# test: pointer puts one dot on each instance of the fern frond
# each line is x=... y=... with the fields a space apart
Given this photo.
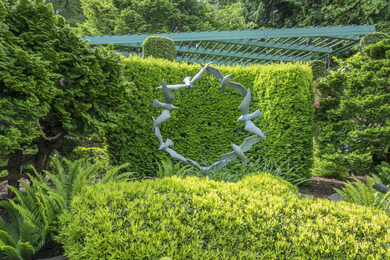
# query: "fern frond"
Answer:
x=108 y=176
x=123 y=176
x=59 y=185
x=28 y=216
x=15 y=220
x=7 y=239
x=28 y=233
x=25 y=249
x=10 y=252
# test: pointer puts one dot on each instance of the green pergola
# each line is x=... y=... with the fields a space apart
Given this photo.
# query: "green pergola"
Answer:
x=249 y=46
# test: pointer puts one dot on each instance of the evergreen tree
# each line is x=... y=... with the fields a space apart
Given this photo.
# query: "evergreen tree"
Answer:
x=52 y=84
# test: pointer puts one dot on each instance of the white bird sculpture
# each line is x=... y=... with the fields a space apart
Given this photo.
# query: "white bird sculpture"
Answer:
x=246 y=117
x=225 y=81
x=187 y=80
x=204 y=170
x=238 y=151
x=165 y=146
x=167 y=106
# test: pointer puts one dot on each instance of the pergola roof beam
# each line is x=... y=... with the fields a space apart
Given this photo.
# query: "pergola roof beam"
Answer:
x=237 y=35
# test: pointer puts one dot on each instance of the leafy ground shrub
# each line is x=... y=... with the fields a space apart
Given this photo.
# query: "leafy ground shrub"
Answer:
x=194 y=218
x=324 y=168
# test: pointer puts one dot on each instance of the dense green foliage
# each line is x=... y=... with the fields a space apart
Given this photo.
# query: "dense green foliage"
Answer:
x=134 y=16
x=286 y=98
x=159 y=47
x=195 y=218
x=290 y=13
x=71 y=10
x=354 y=110
x=205 y=123
x=34 y=214
x=318 y=67
x=373 y=38
x=51 y=84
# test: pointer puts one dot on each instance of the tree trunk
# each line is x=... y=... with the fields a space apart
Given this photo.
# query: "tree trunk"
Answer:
x=14 y=158
x=46 y=149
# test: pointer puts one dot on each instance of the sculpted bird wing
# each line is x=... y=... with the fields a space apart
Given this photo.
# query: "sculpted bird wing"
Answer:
x=215 y=72
x=213 y=165
x=176 y=155
x=174 y=87
x=187 y=79
x=248 y=142
x=194 y=163
x=165 y=115
x=199 y=75
x=244 y=107
x=225 y=159
x=250 y=126
x=168 y=96
x=157 y=132
x=237 y=87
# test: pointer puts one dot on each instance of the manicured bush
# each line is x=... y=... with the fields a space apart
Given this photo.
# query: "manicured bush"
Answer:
x=205 y=123
x=159 y=47
x=195 y=218
x=354 y=111
x=286 y=98
x=318 y=68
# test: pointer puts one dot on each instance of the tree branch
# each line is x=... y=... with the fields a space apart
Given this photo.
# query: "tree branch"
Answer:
x=26 y=161
x=14 y=177
x=44 y=136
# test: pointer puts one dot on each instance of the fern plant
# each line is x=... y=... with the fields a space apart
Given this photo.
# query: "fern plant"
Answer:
x=167 y=169
x=359 y=192
x=38 y=209
x=16 y=237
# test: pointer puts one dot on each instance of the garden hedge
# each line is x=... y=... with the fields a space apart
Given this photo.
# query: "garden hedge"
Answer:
x=206 y=122
x=159 y=47
x=192 y=218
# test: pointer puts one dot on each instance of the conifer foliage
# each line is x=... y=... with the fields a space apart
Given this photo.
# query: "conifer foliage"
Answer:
x=52 y=84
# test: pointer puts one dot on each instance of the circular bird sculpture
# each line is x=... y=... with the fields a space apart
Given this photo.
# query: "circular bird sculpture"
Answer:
x=246 y=117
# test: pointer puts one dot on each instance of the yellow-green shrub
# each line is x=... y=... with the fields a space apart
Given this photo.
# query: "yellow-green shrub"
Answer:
x=206 y=121
x=192 y=218
x=286 y=99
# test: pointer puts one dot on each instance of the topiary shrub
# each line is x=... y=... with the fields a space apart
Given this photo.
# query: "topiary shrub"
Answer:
x=318 y=67
x=159 y=47
x=195 y=218
x=286 y=98
x=206 y=123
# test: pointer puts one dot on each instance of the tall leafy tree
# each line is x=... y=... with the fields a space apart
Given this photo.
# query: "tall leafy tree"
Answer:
x=145 y=16
x=70 y=9
x=52 y=84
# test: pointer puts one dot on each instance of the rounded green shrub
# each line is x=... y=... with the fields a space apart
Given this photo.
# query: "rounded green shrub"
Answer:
x=372 y=38
x=318 y=68
x=194 y=218
x=159 y=47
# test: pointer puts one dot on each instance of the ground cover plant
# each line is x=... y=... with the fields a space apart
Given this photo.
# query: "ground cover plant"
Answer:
x=259 y=216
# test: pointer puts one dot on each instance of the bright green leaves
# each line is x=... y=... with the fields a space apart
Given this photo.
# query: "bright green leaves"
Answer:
x=159 y=47
x=195 y=218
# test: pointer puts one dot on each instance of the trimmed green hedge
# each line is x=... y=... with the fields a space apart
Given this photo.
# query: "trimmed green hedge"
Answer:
x=286 y=98
x=159 y=47
x=318 y=68
x=206 y=122
x=373 y=38
x=192 y=218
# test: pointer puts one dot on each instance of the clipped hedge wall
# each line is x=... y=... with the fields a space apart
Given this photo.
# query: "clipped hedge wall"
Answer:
x=318 y=67
x=206 y=122
x=191 y=218
x=159 y=47
x=286 y=99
